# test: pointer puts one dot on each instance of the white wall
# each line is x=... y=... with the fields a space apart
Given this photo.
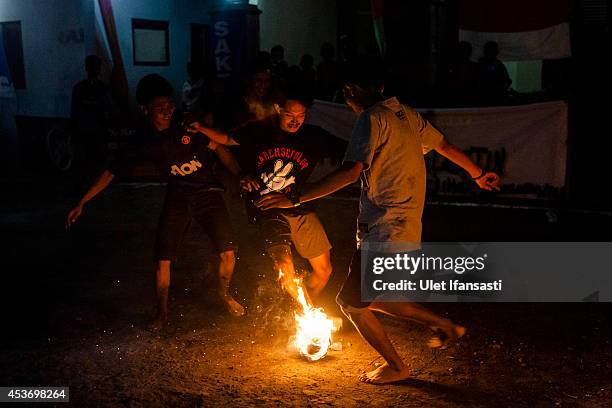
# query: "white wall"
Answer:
x=54 y=51
x=300 y=26
x=180 y=15
x=54 y=64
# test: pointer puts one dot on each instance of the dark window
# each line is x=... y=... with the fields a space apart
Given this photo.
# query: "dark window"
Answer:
x=11 y=40
x=150 y=42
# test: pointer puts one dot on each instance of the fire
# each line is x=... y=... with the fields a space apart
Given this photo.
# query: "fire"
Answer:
x=314 y=329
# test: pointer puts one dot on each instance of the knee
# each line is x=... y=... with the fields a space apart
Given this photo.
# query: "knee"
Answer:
x=280 y=254
x=348 y=310
x=227 y=258
x=324 y=271
x=163 y=265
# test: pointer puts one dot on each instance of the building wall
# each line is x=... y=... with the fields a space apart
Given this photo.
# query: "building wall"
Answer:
x=180 y=15
x=56 y=36
x=299 y=26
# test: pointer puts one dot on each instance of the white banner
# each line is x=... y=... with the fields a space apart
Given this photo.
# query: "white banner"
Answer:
x=547 y=43
x=526 y=144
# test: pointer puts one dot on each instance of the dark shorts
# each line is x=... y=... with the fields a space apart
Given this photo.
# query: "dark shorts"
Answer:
x=207 y=208
x=350 y=293
x=303 y=230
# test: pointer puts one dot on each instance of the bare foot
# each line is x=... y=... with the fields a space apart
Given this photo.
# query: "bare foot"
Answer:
x=444 y=335
x=159 y=323
x=235 y=308
x=385 y=375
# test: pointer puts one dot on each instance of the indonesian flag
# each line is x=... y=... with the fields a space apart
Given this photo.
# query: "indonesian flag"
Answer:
x=524 y=29
x=378 y=11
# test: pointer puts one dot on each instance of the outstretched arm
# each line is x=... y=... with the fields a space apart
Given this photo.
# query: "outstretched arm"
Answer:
x=229 y=161
x=100 y=184
x=226 y=157
x=214 y=134
x=485 y=180
x=346 y=174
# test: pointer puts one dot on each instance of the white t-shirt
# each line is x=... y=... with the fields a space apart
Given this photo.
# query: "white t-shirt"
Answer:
x=390 y=139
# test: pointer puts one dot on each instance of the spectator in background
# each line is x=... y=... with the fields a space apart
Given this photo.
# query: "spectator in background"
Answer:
x=235 y=110
x=327 y=73
x=309 y=75
x=90 y=113
x=279 y=67
x=347 y=57
x=263 y=59
x=193 y=87
x=492 y=79
x=304 y=74
x=461 y=76
x=254 y=103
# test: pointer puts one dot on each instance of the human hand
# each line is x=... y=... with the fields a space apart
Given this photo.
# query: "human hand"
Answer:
x=249 y=184
x=354 y=97
x=73 y=216
x=273 y=200
x=191 y=124
x=488 y=181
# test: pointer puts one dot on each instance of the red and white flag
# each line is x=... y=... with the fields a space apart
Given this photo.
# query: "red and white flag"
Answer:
x=524 y=29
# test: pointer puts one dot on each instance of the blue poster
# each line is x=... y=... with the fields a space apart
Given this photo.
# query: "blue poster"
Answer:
x=228 y=45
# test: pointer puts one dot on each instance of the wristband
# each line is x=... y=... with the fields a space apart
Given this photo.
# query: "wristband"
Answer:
x=482 y=173
x=294 y=197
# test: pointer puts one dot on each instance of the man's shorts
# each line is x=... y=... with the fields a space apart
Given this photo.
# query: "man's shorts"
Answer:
x=303 y=230
x=206 y=207
x=351 y=292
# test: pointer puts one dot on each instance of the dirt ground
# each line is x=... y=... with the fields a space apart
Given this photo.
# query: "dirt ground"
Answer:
x=75 y=306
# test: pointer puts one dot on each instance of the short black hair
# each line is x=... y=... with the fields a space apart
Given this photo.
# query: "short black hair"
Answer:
x=277 y=48
x=93 y=63
x=296 y=92
x=152 y=86
x=366 y=72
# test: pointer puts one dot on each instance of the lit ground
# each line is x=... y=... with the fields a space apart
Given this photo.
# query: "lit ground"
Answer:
x=75 y=305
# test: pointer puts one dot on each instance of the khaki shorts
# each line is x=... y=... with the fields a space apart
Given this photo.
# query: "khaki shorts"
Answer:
x=303 y=230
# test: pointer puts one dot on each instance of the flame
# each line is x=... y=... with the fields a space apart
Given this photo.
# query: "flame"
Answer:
x=314 y=329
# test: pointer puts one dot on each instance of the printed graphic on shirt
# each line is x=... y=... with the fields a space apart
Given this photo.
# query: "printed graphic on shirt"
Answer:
x=278 y=180
x=284 y=153
x=185 y=168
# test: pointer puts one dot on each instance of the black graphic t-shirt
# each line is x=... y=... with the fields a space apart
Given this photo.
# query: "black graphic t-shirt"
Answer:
x=177 y=157
x=282 y=161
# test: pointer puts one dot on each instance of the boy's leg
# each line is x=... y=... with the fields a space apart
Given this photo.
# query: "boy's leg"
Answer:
x=227 y=263
x=285 y=270
x=367 y=324
x=420 y=314
x=276 y=232
x=311 y=242
x=321 y=271
x=162 y=284
x=373 y=332
x=173 y=222
x=210 y=212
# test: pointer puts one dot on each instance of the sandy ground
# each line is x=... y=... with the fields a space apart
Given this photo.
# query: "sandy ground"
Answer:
x=76 y=304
